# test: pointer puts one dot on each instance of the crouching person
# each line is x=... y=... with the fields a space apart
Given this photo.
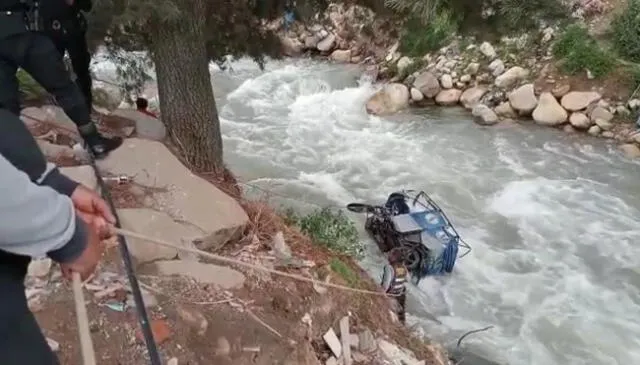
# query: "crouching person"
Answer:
x=394 y=280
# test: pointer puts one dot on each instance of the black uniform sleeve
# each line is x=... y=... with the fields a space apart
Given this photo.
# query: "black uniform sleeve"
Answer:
x=19 y=147
x=84 y=5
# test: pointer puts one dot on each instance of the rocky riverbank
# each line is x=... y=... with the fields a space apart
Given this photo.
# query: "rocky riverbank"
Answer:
x=515 y=79
x=201 y=311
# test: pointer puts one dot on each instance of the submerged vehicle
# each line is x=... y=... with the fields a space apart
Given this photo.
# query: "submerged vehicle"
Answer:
x=413 y=223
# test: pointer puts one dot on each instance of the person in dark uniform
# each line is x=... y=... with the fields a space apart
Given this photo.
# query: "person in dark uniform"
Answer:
x=42 y=213
x=394 y=281
x=24 y=45
x=67 y=28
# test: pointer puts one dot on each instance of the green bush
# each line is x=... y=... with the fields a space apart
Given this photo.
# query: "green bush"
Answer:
x=330 y=229
x=579 y=51
x=626 y=32
x=29 y=88
x=524 y=14
x=419 y=39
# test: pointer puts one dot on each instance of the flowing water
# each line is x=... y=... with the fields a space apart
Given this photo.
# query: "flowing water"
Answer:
x=553 y=219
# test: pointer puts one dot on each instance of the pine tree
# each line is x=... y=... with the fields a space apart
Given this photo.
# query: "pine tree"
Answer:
x=182 y=37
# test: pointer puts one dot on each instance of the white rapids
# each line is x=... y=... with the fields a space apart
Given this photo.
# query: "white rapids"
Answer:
x=553 y=219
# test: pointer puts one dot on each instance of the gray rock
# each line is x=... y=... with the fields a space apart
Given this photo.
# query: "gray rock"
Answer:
x=155 y=224
x=341 y=56
x=428 y=84
x=327 y=43
x=82 y=174
x=147 y=127
x=484 y=115
x=184 y=196
x=221 y=276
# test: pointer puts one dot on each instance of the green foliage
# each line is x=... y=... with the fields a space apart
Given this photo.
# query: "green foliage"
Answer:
x=344 y=271
x=330 y=229
x=579 y=51
x=29 y=88
x=419 y=39
x=520 y=14
x=423 y=10
x=626 y=31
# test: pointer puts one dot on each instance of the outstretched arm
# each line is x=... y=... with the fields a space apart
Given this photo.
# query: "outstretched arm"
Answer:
x=36 y=220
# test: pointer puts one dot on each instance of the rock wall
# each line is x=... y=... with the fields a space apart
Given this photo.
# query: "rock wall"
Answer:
x=497 y=83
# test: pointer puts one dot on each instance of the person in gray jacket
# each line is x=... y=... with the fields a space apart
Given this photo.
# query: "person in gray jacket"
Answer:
x=42 y=213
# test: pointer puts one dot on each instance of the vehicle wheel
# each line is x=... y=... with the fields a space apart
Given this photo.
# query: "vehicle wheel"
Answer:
x=412 y=260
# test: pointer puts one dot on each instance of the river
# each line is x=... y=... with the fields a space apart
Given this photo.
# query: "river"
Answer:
x=552 y=217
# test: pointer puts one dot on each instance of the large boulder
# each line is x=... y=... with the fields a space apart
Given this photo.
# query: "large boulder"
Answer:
x=106 y=96
x=448 y=97
x=446 y=81
x=523 y=99
x=511 y=77
x=403 y=64
x=601 y=114
x=472 y=96
x=147 y=126
x=579 y=120
x=578 y=100
x=549 y=111
x=180 y=193
x=291 y=47
x=156 y=224
x=428 y=84
x=327 y=43
x=390 y=99
x=341 y=55
x=504 y=110
x=630 y=150
x=488 y=51
x=483 y=115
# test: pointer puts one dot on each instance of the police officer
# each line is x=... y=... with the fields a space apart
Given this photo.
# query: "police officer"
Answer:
x=24 y=45
x=67 y=28
x=394 y=281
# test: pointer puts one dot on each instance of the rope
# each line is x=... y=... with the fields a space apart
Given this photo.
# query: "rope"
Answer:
x=86 y=344
x=228 y=260
x=141 y=309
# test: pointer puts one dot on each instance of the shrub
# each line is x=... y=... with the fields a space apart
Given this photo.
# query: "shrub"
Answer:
x=579 y=51
x=330 y=229
x=344 y=271
x=519 y=14
x=626 y=32
x=419 y=39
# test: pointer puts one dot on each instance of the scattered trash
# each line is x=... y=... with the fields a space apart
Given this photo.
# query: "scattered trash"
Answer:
x=172 y=361
x=54 y=345
x=159 y=328
x=345 y=338
x=333 y=342
x=117 y=306
x=193 y=318
x=251 y=349
x=223 y=347
x=280 y=246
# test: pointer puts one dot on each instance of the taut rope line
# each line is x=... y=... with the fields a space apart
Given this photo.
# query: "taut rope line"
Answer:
x=229 y=260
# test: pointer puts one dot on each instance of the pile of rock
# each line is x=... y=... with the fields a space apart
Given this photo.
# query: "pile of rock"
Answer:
x=343 y=33
x=363 y=347
x=495 y=90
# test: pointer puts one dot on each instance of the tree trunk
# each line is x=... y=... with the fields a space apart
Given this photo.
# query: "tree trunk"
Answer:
x=184 y=86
